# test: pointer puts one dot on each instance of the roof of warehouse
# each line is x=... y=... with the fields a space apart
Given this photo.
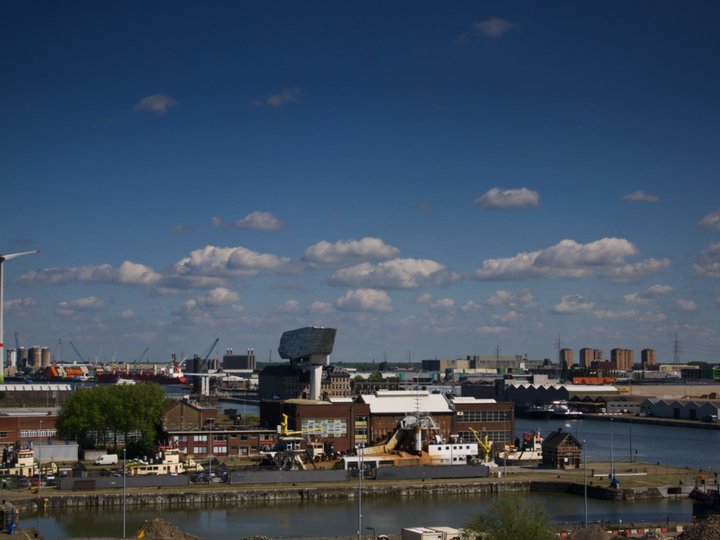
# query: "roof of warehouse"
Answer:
x=29 y=411
x=405 y=401
x=569 y=387
x=470 y=399
x=35 y=387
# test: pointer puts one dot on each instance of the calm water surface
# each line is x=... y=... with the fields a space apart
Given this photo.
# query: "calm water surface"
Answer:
x=295 y=519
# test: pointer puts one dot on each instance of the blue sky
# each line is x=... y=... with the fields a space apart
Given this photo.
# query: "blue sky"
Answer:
x=432 y=179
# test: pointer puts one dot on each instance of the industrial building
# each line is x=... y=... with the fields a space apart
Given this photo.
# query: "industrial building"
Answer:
x=566 y=357
x=648 y=359
x=232 y=361
x=27 y=426
x=373 y=418
x=622 y=359
x=685 y=409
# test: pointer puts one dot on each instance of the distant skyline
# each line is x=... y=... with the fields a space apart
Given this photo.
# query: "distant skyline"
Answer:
x=434 y=180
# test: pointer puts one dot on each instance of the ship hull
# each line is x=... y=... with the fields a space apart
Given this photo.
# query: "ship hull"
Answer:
x=112 y=378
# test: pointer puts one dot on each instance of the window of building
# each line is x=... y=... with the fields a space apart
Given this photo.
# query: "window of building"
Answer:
x=200 y=438
x=326 y=427
x=199 y=450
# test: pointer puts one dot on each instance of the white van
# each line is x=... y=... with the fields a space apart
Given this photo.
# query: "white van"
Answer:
x=107 y=459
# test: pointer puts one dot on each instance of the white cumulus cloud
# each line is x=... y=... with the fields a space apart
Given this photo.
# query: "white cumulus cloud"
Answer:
x=513 y=299
x=393 y=274
x=283 y=97
x=320 y=307
x=492 y=27
x=708 y=262
x=651 y=293
x=344 y=251
x=685 y=304
x=640 y=196
x=711 y=221
x=508 y=198
x=607 y=314
x=571 y=259
x=572 y=303
x=444 y=304
x=228 y=261
x=18 y=305
x=220 y=296
x=156 y=104
x=88 y=303
x=365 y=300
x=492 y=330
x=259 y=220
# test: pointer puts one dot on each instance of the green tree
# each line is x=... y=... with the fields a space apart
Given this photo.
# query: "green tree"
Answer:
x=93 y=413
x=510 y=518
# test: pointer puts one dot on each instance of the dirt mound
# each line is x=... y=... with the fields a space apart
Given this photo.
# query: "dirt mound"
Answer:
x=160 y=529
x=707 y=529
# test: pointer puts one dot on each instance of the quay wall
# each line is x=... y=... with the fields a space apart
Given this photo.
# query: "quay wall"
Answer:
x=263 y=494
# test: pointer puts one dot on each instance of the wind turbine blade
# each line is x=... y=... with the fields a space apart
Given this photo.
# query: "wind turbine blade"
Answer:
x=14 y=255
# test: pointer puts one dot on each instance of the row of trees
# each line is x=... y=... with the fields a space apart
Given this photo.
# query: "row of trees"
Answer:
x=102 y=413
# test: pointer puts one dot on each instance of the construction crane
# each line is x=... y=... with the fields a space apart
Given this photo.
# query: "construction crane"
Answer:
x=77 y=352
x=212 y=348
x=484 y=444
x=57 y=353
x=140 y=358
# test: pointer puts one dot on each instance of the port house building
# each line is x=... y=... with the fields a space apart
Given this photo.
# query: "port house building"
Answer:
x=373 y=418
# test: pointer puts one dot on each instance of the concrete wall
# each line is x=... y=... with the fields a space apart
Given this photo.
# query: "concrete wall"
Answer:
x=287 y=477
x=438 y=471
x=105 y=482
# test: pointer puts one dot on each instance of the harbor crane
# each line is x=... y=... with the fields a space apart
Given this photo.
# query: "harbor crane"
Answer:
x=57 y=353
x=140 y=358
x=74 y=348
x=212 y=348
x=484 y=444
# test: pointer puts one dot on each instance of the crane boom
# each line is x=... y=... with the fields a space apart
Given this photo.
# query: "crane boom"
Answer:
x=212 y=348
x=142 y=356
x=77 y=352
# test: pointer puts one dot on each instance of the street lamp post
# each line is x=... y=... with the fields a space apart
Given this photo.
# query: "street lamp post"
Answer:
x=612 y=457
x=124 y=489
x=361 y=473
x=210 y=442
x=40 y=470
x=505 y=441
x=585 y=481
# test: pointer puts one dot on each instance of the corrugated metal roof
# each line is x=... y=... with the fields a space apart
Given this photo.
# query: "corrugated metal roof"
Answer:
x=405 y=402
x=35 y=387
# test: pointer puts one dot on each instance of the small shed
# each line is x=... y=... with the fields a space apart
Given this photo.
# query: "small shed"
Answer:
x=561 y=450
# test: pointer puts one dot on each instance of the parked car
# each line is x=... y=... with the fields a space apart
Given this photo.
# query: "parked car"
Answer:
x=23 y=482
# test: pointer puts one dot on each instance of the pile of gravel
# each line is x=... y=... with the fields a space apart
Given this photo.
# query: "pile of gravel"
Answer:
x=707 y=529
